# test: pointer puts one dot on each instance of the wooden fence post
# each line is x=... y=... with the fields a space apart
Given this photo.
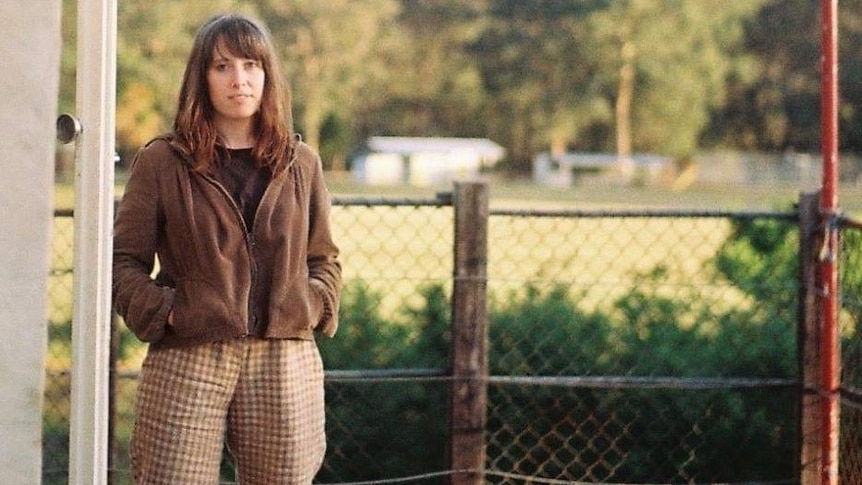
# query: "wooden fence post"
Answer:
x=469 y=359
x=809 y=340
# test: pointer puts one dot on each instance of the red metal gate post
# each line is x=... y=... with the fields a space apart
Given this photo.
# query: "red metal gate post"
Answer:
x=828 y=274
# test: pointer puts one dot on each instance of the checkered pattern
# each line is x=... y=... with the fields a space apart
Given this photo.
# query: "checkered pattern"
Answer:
x=263 y=397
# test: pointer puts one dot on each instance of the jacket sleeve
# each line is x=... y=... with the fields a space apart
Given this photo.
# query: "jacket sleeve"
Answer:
x=143 y=304
x=323 y=264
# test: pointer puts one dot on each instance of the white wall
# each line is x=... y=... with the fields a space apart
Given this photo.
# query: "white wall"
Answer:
x=30 y=50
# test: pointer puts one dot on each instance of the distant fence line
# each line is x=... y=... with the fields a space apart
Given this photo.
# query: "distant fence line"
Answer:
x=798 y=169
x=555 y=359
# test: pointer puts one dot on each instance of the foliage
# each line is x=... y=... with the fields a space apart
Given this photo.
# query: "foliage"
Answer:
x=668 y=433
x=614 y=434
x=661 y=335
x=759 y=253
x=361 y=329
x=535 y=332
x=850 y=74
x=335 y=54
x=851 y=306
x=372 y=427
x=434 y=85
x=532 y=75
x=681 y=53
x=536 y=66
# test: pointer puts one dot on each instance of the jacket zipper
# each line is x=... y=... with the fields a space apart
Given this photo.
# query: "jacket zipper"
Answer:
x=251 y=319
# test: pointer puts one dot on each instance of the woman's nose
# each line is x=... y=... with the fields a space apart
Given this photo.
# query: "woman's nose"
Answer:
x=239 y=78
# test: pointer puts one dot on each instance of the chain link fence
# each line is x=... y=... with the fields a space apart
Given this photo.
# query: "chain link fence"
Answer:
x=850 y=278
x=58 y=363
x=632 y=347
x=623 y=347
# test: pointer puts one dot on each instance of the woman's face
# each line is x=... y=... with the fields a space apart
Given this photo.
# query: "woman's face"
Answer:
x=235 y=86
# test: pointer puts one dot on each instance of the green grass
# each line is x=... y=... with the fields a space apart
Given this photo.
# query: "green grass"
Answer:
x=416 y=247
x=506 y=192
x=517 y=193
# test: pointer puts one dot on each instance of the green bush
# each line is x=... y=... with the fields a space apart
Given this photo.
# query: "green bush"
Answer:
x=384 y=428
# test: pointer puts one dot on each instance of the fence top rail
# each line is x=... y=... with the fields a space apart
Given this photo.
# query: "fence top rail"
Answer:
x=444 y=199
x=646 y=213
x=384 y=374
x=849 y=222
x=633 y=382
x=592 y=382
x=441 y=199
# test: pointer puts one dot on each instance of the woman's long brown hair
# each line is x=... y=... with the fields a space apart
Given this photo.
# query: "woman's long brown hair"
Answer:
x=194 y=130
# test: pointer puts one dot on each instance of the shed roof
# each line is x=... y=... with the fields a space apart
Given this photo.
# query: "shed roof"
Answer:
x=409 y=145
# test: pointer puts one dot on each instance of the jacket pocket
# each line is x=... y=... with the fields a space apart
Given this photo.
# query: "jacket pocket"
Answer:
x=299 y=307
x=316 y=304
x=200 y=309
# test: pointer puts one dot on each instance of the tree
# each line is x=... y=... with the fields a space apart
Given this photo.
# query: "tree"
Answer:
x=566 y=74
x=668 y=62
x=850 y=57
x=597 y=75
x=778 y=107
x=335 y=54
x=534 y=58
x=438 y=87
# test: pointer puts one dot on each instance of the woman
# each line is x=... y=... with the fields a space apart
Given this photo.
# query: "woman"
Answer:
x=235 y=208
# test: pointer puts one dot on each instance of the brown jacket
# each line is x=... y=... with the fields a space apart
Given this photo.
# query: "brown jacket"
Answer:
x=210 y=266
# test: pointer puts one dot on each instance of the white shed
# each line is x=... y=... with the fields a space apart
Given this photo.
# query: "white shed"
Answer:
x=423 y=161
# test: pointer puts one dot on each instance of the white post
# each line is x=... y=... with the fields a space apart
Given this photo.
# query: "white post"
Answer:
x=94 y=213
x=30 y=49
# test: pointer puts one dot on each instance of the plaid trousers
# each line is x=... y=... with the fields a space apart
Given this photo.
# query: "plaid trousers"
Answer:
x=263 y=398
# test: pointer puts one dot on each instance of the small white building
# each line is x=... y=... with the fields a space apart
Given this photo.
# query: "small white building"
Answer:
x=564 y=170
x=388 y=160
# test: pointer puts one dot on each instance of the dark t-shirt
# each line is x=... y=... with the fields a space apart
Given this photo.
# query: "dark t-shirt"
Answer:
x=244 y=180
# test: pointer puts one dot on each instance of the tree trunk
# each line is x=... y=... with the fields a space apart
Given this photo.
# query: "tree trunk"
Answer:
x=625 y=95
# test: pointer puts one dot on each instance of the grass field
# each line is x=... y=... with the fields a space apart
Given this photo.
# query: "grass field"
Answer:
x=521 y=193
x=397 y=249
x=401 y=248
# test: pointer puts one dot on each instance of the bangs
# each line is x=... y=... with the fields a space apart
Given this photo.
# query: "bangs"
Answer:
x=241 y=38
